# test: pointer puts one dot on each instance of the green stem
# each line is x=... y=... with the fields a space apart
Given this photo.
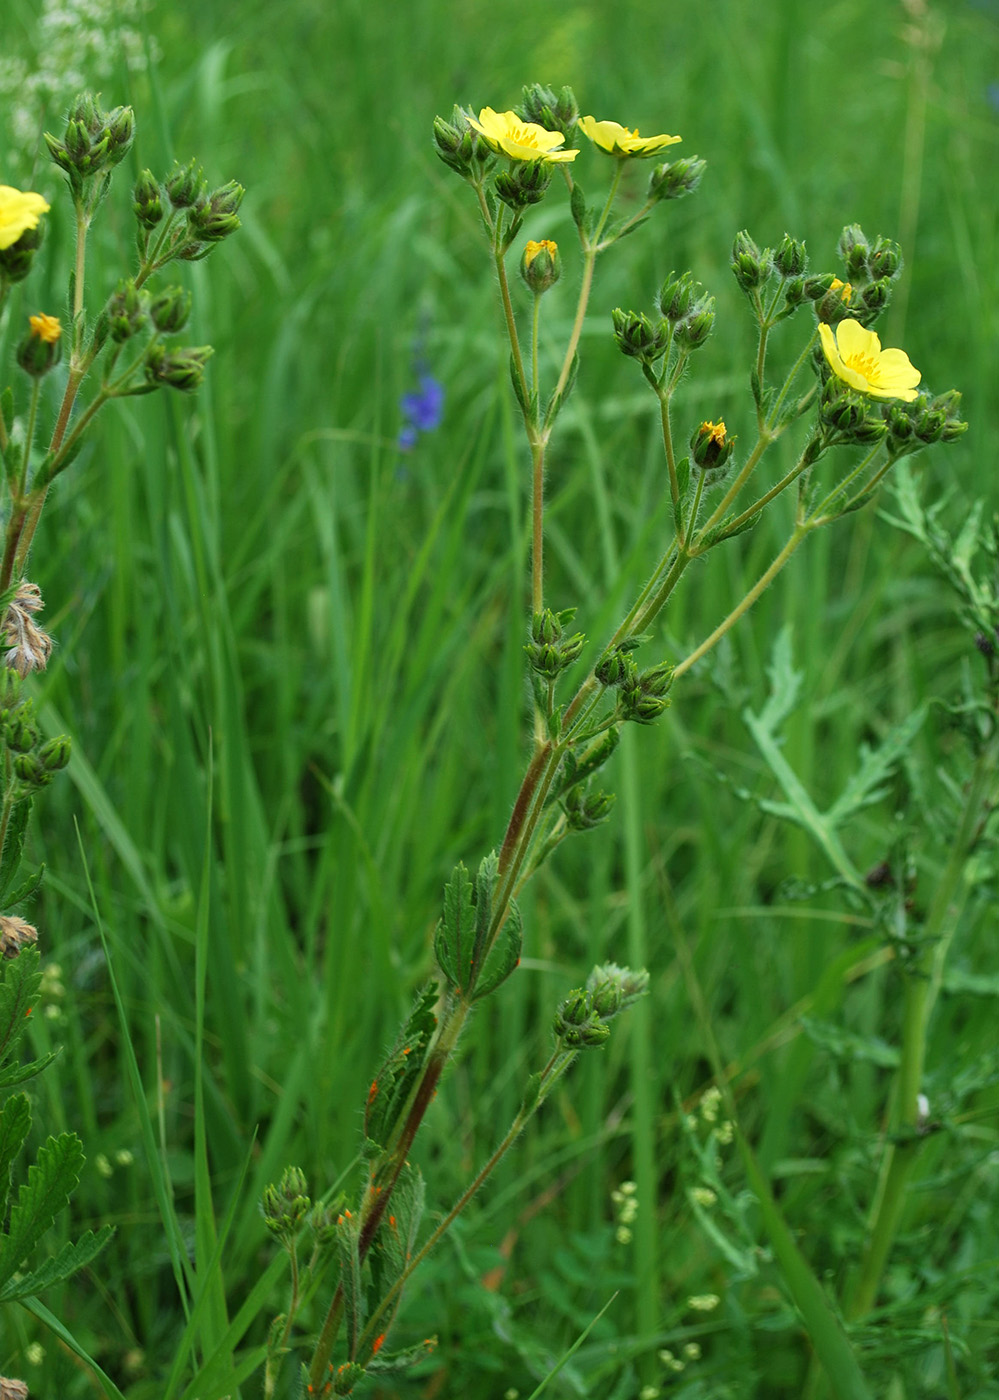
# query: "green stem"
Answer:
x=762 y=583
x=921 y=982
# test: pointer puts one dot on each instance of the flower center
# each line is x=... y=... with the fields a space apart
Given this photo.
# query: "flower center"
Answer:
x=524 y=136
x=865 y=365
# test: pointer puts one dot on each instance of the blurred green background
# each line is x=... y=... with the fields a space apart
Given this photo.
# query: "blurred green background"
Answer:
x=256 y=593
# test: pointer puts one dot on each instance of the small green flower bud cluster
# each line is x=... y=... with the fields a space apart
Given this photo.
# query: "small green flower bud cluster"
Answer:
x=578 y=1025
x=177 y=369
x=94 y=141
x=458 y=146
x=639 y=337
x=617 y=666
x=555 y=111
x=644 y=696
x=849 y=416
x=126 y=311
x=871 y=271
x=550 y=651
x=34 y=761
x=676 y=178
x=751 y=265
x=926 y=420
x=583 y=1019
x=584 y=811
x=525 y=184
x=286 y=1205
x=211 y=215
x=690 y=312
x=147 y=200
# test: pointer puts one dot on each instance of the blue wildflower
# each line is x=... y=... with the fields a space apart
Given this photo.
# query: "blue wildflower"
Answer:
x=423 y=411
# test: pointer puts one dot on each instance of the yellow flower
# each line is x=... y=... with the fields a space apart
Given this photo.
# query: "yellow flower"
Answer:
x=45 y=328
x=19 y=211
x=506 y=134
x=845 y=290
x=618 y=140
x=856 y=357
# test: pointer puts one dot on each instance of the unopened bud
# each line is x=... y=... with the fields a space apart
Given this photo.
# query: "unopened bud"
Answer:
x=789 y=257
x=750 y=265
x=676 y=178
x=170 y=310
x=541 y=265
x=638 y=337
x=711 y=446
x=55 y=753
x=147 y=200
x=126 y=311
x=854 y=249
x=213 y=217
x=41 y=348
x=184 y=185
x=178 y=369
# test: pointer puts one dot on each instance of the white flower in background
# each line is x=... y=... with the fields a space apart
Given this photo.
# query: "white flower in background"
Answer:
x=76 y=44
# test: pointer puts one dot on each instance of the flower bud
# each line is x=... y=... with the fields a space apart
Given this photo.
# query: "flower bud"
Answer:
x=711 y=446
x=347 y=1376
x=30 y=772
x=835 y=305
x=693 y=330
x=632 y=985
x=575 y=1010
x=55 y=753
x=677 y=295
x=17 y=259
x=541 y=265
x=790 y=259
x=794 y=293
x=555 y=111
x=646 y=698
x=41 y=348
x=126 y=311
x=616 y=668
x=637 y=336
x=169 y=310
x=147 y=200
x=885 y=259
x=873 y=299
x=119 y=126
x=584 y=813
x=286 y=1205
x=608 y=998
x=816 y=287
x=526 y=183
x=676 y=178
x=854 y=249
x=178 y=369
x=213 y=217
x=841 y=407
x=750 y=265
x=184 y=185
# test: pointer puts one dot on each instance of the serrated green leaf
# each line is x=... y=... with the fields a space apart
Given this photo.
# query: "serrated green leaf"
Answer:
x=20 y=1074
x=503 y=956
x=51 y=1181
x=73 y=1256
x=25 y=889
x=390 y=1088
x=15 y=1120
x=19 y=981
x=454 y=939
x=10 y=858
x=845 y=1045
x=347 y=1243
x=485 y=881
x=785 y=683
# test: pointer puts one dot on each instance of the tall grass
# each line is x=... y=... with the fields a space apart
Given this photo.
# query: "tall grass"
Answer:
x=290 y=659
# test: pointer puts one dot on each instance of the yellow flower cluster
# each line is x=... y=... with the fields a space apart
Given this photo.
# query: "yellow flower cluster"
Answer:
x=19 y=211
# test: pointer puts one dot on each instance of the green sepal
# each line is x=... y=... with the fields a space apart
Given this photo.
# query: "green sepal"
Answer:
x=454 y=938
x=19 y=981
x=73 y=1256
x=504 y=955
x=51 y=1181
x=391 y=1087
x=10 y=858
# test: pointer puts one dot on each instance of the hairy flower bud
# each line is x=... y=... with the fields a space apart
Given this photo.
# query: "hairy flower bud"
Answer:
x=41 y=348
x=638 y=337
x=126 y=311
x=555 y=111
x=213 y=217
x=676 y=178
x=694 y=329
x=711 y=446
x=184 y=185
x=541 y=265
x=147 y=200
x=751 y=265
x=178 y=369
x=170 y=309
x=677 y=295
x=789 y=257
x=855 y=250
